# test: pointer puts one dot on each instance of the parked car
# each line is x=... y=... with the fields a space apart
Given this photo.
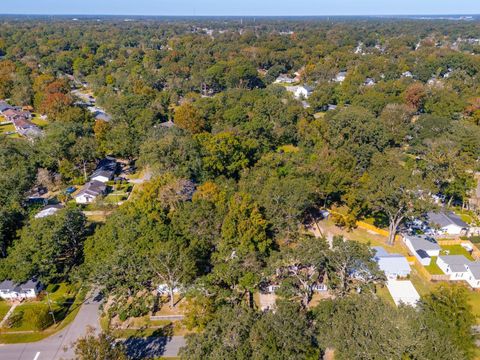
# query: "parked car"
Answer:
x=70 y=190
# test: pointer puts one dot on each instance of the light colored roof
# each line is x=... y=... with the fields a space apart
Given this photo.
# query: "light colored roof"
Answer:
x=421 y=243
x=394 y=265
x=455 y=262
x=445 y=219
x=474 y=268
x=403 y=292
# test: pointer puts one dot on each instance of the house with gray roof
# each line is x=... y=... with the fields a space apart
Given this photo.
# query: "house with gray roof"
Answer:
x=90 y=192
x=10 y=290
x=105 y=170
x=458 y=267
x=393 y=265
x=447 y=223
x=423 y=248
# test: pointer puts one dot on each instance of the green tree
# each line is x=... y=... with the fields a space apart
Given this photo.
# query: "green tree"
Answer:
x=99 y=347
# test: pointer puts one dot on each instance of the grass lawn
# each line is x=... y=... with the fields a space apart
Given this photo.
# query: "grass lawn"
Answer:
x=4 y=307
x=433 y=267
x=114 y=199
x=41 y=123
x=66 y=315
x=384 y=294
x=474 y=297
x=456 y=250
x=7 y=128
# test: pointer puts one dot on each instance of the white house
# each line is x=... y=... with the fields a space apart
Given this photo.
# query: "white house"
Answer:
x=12 y=291
x=473 y=274
x=284 y=79
x=369 y=82
x=105 y=170
x=447 y=223
x=422 y=248
x=407 y=74
x=303 y=92
x=393 y=265
x=90 y=192
x=453 y=265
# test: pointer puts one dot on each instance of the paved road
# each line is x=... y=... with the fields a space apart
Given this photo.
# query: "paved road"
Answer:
x=59 y=346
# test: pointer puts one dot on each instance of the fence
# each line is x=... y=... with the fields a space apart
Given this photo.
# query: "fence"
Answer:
x=376 y=230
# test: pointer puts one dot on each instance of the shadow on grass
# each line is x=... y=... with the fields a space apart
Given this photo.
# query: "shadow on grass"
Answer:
x=149 y=347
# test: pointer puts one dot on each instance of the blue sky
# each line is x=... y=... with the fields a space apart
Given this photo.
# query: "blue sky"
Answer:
x=242 y=7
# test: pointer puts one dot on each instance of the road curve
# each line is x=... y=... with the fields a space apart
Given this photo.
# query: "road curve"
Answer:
x=59 y=345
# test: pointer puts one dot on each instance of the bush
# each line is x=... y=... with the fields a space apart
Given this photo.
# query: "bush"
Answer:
x=39 y=316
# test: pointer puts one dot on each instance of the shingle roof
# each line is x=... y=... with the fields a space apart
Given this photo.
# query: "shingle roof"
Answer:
x=421 y=243
x=445 y=218
x=456 y=262
x=475 y=269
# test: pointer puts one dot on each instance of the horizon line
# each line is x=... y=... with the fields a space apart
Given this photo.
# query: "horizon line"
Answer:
x=238 y=15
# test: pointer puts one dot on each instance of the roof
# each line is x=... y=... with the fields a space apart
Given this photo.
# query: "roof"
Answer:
x=4 y=106
x=379 y=251
x=474 y=268
x=48 y=210
x=455 y=262
x=7 y=285
x=391 y=263
x=106 y=168
x=422 y=243
x=306 y=87
x=10 y=285
x=444 y=219
x=92 y=188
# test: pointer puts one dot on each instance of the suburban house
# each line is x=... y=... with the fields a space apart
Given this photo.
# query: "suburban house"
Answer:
x=447 y=223
x=4 y=106
x=105 y=170
x=473 y=274
x=12 y=291
x=48 y=211
x=407 y=74
x=284 y=79
x=422 y=248
x=300 y=92
x=458 y=267
x=26 y=128
x=394 y=265
x=90 y=192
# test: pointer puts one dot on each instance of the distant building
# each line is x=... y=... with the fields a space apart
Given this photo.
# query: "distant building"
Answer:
x=300 y=92
x=407 y=74
x=447 y=223
x=422 y=248
x=284 y=79
x=369 y=82
x=90 y=192
x=12 y=291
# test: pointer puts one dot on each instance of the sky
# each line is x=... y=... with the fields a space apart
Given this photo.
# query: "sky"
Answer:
x=240 y=7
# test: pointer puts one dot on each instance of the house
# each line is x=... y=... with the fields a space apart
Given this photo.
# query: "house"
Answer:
x=393 y=265
x=105 y=170
x=340 y=77
x=473 y=274
x=447 y=223
x=423 y=248
x=403 y=292
x=303 y=92
x=12 y=291
x=26 y=128
x=453 y=265
x=284 y=79
x=458 y=267
x=48 y=211
x=90 y=192
x=369 y=82
x=407 y=74
x=4 y=106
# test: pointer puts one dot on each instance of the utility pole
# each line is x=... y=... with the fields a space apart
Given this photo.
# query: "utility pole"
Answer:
x=50 y=307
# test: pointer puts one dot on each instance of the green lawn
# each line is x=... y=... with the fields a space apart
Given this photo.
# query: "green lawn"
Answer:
x=64 y=315
x=433 y=267
x=456 y=250
x=41 y=123
x=4 y=307
x=7 y=128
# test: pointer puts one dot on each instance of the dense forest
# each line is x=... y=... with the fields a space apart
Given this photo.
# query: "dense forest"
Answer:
x=239 y=167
